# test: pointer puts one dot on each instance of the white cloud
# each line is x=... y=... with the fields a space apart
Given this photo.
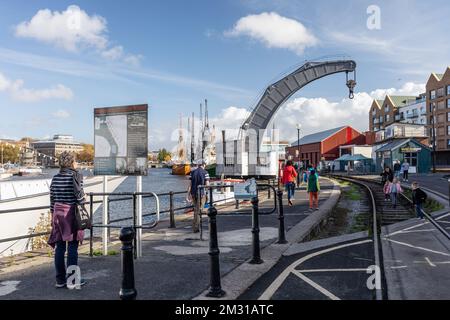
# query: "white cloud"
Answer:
x=61 y=114
x=17 y=91
x=408 y=89
x=274 y=31
x=73 y=30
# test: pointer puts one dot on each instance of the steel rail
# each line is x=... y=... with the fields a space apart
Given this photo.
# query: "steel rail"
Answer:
x=375 y=234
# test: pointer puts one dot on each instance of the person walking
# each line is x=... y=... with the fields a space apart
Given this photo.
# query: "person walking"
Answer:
x=386 y=191
x=397 y=168
x=313 y=189
x=199 y=177
x=405 y=169
x=289 y=177
x=66 y=193
x=386 y=175
x=418 y=197
x=394 y=189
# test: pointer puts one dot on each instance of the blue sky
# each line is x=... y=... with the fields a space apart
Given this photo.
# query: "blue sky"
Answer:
x=174 y=54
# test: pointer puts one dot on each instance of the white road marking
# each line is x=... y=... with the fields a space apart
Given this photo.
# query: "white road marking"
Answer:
x=413 y=231
x=275 y=285
x=185 y=251
x=399 y=267
x=429 y=262
x=416 y=247
x=333 y=270
x=315 y=285
x=8 y=287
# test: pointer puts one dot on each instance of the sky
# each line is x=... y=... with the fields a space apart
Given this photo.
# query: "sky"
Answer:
x=61 y=59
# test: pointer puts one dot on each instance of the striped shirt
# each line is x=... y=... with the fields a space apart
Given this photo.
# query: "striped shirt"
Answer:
x=66 y=187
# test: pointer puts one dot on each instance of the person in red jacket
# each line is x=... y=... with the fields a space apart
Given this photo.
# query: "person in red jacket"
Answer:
x=289 y=177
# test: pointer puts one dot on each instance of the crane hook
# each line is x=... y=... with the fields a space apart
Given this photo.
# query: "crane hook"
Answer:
x=351 y=84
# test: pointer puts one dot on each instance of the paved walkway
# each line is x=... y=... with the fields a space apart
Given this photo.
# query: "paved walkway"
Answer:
x=417 y=260
x=175 y=263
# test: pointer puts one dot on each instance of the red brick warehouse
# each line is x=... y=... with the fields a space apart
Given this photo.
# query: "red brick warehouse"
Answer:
x=324 y=145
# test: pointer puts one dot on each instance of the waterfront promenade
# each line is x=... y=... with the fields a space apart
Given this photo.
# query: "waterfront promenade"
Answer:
x=175 y=262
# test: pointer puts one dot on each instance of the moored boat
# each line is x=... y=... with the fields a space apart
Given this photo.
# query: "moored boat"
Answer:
x=181 y=169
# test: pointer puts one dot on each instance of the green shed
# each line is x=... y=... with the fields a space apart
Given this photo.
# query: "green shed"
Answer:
x=418 y=155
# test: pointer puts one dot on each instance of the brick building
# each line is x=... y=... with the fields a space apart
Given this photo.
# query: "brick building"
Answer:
x=323 y=145
x=438 y=102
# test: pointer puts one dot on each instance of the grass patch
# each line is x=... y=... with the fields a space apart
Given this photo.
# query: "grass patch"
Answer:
x=352 y=192
x=430 y=205
x=98 y=253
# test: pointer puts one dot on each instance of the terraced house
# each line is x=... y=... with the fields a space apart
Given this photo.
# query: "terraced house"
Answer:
x=438 y=115
x=404 y=109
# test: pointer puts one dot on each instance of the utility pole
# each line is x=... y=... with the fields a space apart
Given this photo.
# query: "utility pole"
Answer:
x=433 y=116
x=192 y=139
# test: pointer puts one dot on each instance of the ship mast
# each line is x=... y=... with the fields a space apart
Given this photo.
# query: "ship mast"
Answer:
x=192 y=138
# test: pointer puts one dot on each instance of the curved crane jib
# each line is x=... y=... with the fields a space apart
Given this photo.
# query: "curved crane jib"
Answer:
x=277 y=93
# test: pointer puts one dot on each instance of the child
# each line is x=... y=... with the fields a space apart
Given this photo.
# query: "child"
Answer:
x=313 y=189
x=385 y=190
x=418 y=197
x=394 y=189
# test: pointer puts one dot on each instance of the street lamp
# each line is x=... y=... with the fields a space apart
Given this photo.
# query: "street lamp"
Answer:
x=299 y=127
x=433 y=117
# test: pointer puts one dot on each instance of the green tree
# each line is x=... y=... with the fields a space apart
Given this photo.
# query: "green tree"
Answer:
x=9 y=153
x=87 y=155
x=164 y=155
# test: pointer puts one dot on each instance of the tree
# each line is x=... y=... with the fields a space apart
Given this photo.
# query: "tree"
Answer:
x=87 y=155
x=164 y=155
x=9 y=153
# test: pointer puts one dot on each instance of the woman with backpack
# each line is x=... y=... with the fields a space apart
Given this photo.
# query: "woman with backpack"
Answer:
x=289 y=178
x=66 y=193
x=313 y=189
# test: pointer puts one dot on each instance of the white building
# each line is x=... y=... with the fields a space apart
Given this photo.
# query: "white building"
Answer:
x=414 y=112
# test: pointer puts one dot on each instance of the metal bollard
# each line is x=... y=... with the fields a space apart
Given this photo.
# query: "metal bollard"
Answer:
x=255 y=231
x=127 y=291
x=281 y=230
x=237 y=204
x=215 y=289
x=268 y=192
x=91 y=229
x=171 y=211
x=449 y=192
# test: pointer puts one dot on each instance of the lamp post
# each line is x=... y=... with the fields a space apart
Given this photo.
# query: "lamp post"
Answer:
x=433 y=116
x=299 y=127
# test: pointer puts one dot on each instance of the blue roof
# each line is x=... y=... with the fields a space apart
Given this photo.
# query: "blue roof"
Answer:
x=317 y=137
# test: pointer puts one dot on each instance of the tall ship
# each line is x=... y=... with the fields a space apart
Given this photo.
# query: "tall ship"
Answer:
x=181 y=167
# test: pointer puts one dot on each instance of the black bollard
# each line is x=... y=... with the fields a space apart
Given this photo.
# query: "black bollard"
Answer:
x=171 y=211
x=255 y=231
x=215 y=289
x=281 y=230
x=128 y=291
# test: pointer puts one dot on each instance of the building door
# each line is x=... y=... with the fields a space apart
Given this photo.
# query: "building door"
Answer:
x=411 y=157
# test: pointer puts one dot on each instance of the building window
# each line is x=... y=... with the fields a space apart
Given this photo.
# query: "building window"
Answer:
x=386 y=109
x=448 y=103
x=448 y=130
x=411 y=157
x=440 y=92
x=432 y=106
x=433 y=94
x=441 y=105
x=387 y=118
x=448 y=116
x=448 y=90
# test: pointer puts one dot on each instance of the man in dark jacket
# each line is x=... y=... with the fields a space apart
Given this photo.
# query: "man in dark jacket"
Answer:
x=418 y=197
x=397 y=168
x=386 y=175
x=199 y=177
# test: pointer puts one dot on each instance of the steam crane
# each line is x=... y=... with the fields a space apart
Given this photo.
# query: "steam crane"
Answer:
x=248 y=160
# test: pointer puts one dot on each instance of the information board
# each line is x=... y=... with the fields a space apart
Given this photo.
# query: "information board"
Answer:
x=245 y=190
x=121 y=140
